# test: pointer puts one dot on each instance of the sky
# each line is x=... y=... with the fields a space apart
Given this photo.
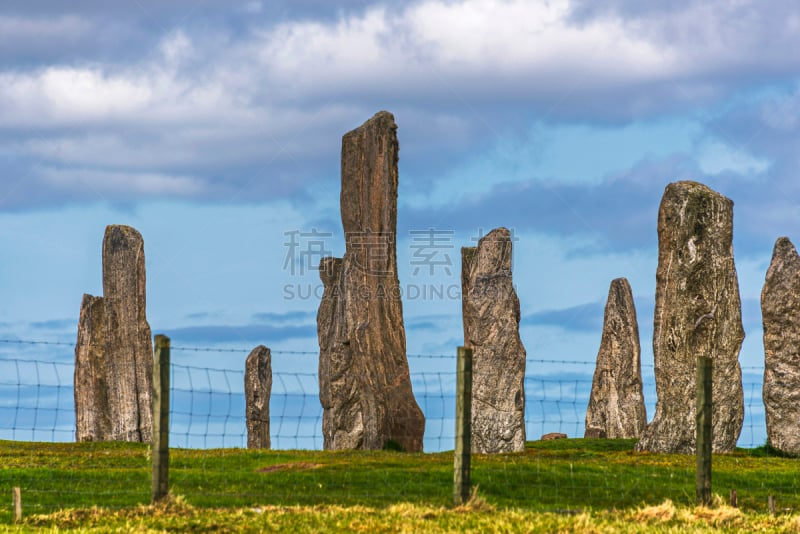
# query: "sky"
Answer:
x=215 y=130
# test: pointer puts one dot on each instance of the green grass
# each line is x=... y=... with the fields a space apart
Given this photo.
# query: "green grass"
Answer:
x=559 y=479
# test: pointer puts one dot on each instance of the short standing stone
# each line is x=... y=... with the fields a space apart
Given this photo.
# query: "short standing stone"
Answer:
x=365 y=385
x=697 y=313
x=491 y=329
x=257 y=391
x=780 y=310
x=91 y=390
x=339 y=390
x=616 y=404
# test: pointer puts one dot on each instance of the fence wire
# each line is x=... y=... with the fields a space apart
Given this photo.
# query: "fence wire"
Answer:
x=208 y=433
x=208 y=406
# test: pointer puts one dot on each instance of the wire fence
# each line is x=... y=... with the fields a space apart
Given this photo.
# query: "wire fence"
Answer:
x=208 y=404
x=208 y=426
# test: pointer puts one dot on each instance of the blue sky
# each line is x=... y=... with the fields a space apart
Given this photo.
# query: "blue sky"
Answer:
x=215 y=129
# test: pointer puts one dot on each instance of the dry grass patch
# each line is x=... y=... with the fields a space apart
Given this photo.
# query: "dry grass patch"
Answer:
x=475 y=503
x=661 y=513
x=717 y=515
x=295 y=466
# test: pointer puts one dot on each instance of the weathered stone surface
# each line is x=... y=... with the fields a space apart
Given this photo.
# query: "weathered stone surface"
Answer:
x=553 y=435
x=114 y=340
x=340 y=390
x=365 y=387
x=491 y=329
x=616 y=404
x=92 y=420
x=780 y=310
x=129 y=344
x=697 y=313
x=257 y=391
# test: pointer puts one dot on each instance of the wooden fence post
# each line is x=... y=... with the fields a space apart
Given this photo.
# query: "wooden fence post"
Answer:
x=461 y=470
x=160 y=449
x=17 y=505
x=704 y=435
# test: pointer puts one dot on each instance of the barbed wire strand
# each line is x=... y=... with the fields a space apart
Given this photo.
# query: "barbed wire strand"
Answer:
x=430 y=356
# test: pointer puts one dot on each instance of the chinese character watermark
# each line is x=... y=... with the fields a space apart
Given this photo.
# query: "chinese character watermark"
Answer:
x=304 y=250
x=373 y=253
x=430 y=250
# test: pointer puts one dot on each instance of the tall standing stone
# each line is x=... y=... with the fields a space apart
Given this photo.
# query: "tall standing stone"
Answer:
x=697 y=313
x=365 y=386
x=616 y=404
x=114 y=351
x=257 y=391
x=92 y=414
x=491 y=329
x=129 y=344
x=780 y=309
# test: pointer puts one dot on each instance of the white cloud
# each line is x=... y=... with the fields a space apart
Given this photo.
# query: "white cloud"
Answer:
x=59 y=95
x=508 y=47
x=351 y=50
x=527 y=42
x=208 y=144
x=255 y=7
x=509 y=35
x=121 y=183
x=44 y=28
x=715 y=157
x=285 y=92
x=456 y=53
x=176 y=47
x=81 y=92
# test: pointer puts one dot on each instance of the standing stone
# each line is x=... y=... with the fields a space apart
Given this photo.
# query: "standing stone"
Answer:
x=91 y=389
x=365 y=386
x=616 y=404
x=114 y=351
x=129 y=344
x=780 y=309
x=340 y=375
x=491 y=329
x=697 y=313
x=257 y=391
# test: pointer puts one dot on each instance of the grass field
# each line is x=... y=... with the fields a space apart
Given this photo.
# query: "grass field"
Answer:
x=573 y=484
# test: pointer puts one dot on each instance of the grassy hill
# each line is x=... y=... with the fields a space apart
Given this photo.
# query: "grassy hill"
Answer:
x=600 y=484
